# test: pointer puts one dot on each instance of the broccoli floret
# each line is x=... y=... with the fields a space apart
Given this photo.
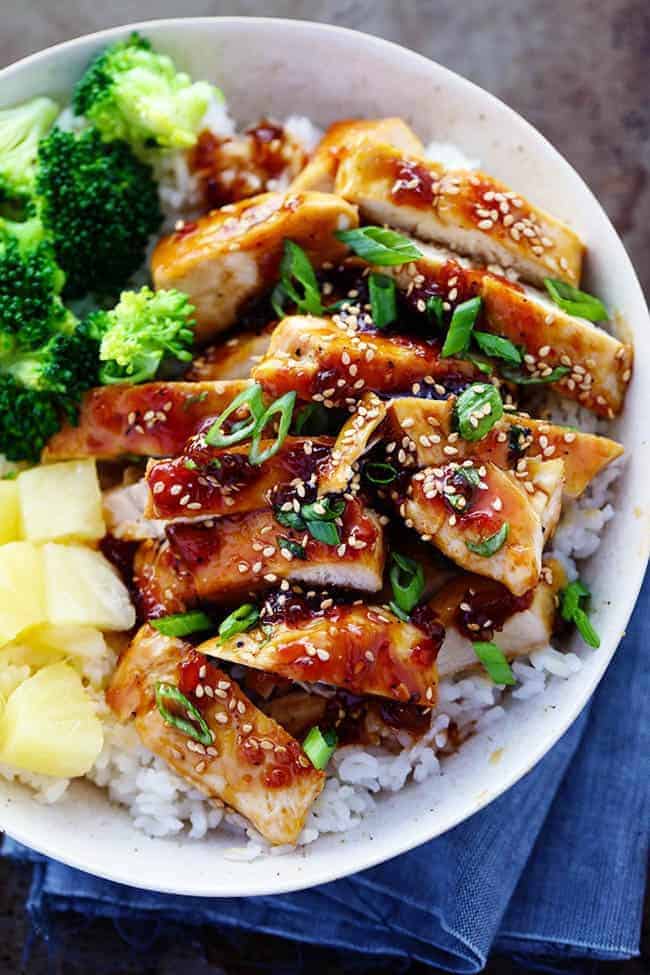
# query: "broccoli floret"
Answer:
x=30 y=283
x=21 y=129
x=130 y=92
x=100 y=205
x=28 y=418
x=144 y=331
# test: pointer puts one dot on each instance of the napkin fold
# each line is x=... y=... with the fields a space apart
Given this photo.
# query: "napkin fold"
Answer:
x=550 y=872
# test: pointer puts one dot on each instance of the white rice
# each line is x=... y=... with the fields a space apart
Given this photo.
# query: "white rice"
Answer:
x=162 y=804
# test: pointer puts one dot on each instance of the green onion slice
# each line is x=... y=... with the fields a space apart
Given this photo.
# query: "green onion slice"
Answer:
x=378 y=245
x=290 y=519
x=324 y=531
x=573 y=601
x=298 y=281
x=476 y=411
x=312 y=419
x=325 y=509
x=498 y=347
x=189 y=720
x=383 y=299
x=494 y=661
x=319 y=746
x=240 y=620
x=379 y=473
x=250 y=397
x=436 y=310
x=407 y=580
x=525 y=379
x=182 y=624
x=492 y=544
x=576 y=302
x=460 y=327
x=296 y=549
x=284 y=406
x=399 y=613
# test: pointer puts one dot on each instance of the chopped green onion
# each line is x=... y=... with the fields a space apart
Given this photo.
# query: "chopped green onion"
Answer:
x=492 y=544
x=378 y=245
x=476 y=411
x=576 y=302
x=460 y=327
x=239 y=621
x=250 y=397
x=215 y=462
x=484 y=367
x=436 y=310
x=383 y=299
x=407 y=580
x=290 y=519
x=379 y=473
x=296 y=267
x=399 y=613
x=494 y=661
x=189 y=464
x=278 y=298
x=311 y=420
x=469 y=474
x=289 y=545
x=525 y=379
x=319 y=746
x=190 y=722
x=519 y=439
x=498 y=347
x=325 y=509
x=324 y=531
x=284 y=406
x=182 y=624
x=573 y=600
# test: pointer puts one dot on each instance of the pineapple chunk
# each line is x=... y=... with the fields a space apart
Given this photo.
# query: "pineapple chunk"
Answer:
x=9 y=512
x=61 y=502
x=22 y=599
x=83 y=589
x=23 y=654
x=49 y=725
x=83 y=642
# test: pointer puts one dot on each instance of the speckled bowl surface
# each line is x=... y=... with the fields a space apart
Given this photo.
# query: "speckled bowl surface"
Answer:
x=277 y=67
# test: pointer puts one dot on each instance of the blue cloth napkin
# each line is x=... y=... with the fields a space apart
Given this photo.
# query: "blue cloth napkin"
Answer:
x=552 y=871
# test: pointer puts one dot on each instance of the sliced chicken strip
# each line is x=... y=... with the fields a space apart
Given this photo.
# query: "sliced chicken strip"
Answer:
x=363 y=649
x=232 y=359
x=330 y=362
x=467 y=210
x=253 y=764
x=430 y=426
x=209 y=481
x=150 y=420
x=225 y=559
x=473 y=608
x=346 y=135
x=124 y=513
x=355 y=438
x=232 y=255
x=454 y=513
x=599 y=365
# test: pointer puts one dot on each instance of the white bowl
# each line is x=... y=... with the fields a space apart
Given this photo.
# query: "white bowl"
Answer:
x=277 y=67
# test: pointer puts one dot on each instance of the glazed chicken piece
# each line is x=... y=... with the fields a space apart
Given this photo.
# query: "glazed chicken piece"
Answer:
x=356 y=436
x=327 y=361
x=230 y=168
x=124 y=510
x=346 y=135
x=362 y=649
x=222 y=560
x=210 y=481
x=462 y=510
x=232 y=255
x=429 y=425
x=473 y=608
x=150 y=420
x=598 y=365
x=467 y=210
x=252 y=764
x=232 y=359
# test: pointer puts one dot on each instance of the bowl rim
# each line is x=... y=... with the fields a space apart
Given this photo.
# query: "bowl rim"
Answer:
x=417 y=833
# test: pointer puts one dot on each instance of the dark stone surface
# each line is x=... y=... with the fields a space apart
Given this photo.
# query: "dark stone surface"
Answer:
x=578 y=70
